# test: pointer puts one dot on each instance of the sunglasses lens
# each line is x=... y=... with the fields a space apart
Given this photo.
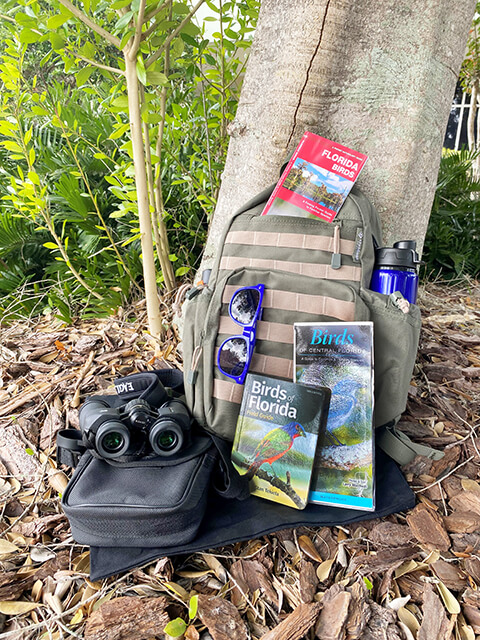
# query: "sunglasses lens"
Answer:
x=233 y=356
x=244 y=305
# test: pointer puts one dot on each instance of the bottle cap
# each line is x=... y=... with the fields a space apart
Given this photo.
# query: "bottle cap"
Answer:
x=402 y=254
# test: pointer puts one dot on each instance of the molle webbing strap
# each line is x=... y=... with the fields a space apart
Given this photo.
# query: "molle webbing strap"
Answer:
x=271 y=331
x=310 y=269
x=228 y=391
x=269 y=365
x=301 y=303
x=289 y=240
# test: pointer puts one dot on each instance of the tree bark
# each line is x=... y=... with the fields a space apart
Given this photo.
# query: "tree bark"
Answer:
x=378 y=77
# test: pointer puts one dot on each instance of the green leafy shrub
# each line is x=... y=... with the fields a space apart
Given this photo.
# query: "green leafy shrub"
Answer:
x=453 y=234
x=69 y=232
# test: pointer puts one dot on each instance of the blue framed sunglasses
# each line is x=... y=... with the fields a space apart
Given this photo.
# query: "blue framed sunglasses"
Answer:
x=235 y=353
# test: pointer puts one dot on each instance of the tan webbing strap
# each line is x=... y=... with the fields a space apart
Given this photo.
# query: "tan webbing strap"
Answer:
x=228 y=391
x=289 y=241
x=269 y=365
x=271 y=331
x=301 y=303
x=312 y=270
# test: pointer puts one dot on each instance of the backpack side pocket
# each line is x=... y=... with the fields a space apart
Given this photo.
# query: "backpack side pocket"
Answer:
x=396 y=336
x=192 y=338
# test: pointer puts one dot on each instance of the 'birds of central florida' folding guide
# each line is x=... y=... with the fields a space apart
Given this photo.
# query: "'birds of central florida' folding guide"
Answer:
x=340 y=356
x=276 y=437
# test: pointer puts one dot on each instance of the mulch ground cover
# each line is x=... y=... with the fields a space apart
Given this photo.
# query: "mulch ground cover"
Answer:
x=410 y=575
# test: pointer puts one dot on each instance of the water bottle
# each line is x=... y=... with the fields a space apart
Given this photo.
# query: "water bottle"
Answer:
x=396 y=270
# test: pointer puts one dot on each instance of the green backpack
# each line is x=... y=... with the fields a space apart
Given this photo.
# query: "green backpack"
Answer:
x=313 y=271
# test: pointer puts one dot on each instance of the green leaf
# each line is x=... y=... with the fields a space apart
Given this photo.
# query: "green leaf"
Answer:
x=156 y=78
x=175 y=628
x=118 y=133
x=180 y=8
x=188 y=39
x=57 y=41
x=10 y=145
x=181 y=271
x=27 y=36
x=50 y=245
x=141 y=72
x=119 y=4
x=56 y=21
x=368 y=584
x=120 y=103
x=125 y=38
x=123 y=21
x=193 y=607
x=30 y=452
x=83 y=75
x=33 y=177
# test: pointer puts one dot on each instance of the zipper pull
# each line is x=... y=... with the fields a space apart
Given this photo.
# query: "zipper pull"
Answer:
x=336 y=256
x=193 y=373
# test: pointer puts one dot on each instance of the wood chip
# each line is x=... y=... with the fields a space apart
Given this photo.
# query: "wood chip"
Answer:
x=308 y=581
x=449 y=574
x=462 y=522
x=428 y=528
x=221 y=618
x=466 y=501
x=297 y=624
x=253 y=575
x=128 y=617
x=435 y=624
x=390 y=534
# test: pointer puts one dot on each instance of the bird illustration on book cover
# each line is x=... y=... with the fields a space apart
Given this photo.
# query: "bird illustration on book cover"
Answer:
x=276 y=437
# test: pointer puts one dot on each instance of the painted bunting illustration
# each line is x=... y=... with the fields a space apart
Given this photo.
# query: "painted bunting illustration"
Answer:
x=342 y=404
x=274 y=445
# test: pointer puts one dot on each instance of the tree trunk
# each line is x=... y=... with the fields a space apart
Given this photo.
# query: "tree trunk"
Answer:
x=378 y=77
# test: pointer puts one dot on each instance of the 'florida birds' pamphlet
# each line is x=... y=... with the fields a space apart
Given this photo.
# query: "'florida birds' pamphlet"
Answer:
x=276 y=437
x=340 y=356
x=316 y=180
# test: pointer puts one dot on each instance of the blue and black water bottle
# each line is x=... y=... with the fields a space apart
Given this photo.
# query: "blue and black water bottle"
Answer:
x=396 y=269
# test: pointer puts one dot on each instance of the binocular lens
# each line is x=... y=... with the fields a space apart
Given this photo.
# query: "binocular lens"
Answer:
x=167 y=440
x=113 y=441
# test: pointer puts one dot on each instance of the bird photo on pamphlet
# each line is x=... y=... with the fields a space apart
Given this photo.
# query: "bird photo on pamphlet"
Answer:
x=340 y=356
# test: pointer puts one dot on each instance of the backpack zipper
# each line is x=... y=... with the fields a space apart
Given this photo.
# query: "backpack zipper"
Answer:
x=197 y=352
x=336 y=256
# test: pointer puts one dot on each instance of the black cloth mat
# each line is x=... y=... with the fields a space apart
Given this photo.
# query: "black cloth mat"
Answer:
x=228 y=521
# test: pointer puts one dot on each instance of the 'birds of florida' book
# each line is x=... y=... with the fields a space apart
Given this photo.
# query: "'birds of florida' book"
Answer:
x=340 y=356
x=276 y=437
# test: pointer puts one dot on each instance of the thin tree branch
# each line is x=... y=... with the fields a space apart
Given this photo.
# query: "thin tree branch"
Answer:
x=90 y=23
x=153 y=58
x=151 y=15
x=4 y=17
x=154 y=12
x=105 y=67
x=138 y=31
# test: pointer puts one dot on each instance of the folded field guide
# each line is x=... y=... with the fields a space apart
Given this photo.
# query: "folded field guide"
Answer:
x=276 y=437
x=317 y=179
x=340 y=356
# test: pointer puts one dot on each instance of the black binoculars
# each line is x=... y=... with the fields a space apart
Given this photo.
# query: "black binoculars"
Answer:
x=135 y=428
